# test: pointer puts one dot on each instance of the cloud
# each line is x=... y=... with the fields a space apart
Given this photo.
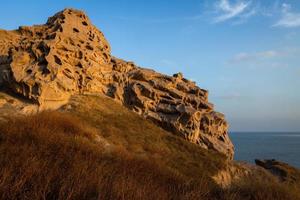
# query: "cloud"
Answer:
x=288 y=19
x=270 y=58
x=264 y=55
x=229 y=11
x=245 y=57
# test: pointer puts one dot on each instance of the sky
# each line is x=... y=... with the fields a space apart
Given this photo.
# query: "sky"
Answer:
x=246 y=53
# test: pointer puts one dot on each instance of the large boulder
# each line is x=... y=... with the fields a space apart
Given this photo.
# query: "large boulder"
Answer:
x=68 y=55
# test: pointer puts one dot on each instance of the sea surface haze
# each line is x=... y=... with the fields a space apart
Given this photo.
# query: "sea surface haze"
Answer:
x=283 y=146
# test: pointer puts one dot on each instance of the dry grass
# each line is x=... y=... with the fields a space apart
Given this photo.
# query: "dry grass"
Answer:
x=142 y=138
x=53 y=156
x=260 y=188
x=56 y=155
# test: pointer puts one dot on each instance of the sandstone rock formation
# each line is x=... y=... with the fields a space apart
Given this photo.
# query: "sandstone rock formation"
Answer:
x=68 y=55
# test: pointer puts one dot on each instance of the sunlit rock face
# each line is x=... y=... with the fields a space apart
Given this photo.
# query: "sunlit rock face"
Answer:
x=68 y=55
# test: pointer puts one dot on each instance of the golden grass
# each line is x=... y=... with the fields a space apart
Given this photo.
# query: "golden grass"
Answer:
x=261 y=188
x=54 y=155
x=142 y=138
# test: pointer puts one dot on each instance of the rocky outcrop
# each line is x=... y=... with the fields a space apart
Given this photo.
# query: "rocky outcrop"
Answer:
x=68 y=55
x=283 y=171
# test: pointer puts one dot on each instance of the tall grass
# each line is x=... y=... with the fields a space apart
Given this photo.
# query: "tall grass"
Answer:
x=260 y=188
x=54 y=155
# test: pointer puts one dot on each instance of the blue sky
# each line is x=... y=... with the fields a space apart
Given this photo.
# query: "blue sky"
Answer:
x=245 y=52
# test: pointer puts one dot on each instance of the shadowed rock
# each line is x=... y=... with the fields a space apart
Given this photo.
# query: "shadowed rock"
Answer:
x=282 y=170
x=68 y=55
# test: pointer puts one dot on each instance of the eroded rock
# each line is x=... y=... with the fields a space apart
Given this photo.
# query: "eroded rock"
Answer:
x=68 y=55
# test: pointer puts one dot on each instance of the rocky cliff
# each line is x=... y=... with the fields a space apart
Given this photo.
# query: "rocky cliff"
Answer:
x=68 y=55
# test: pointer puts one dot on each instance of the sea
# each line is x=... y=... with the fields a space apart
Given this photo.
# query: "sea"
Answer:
x=283 y=146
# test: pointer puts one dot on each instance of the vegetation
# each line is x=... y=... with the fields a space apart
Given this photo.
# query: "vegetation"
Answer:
x=59 y=155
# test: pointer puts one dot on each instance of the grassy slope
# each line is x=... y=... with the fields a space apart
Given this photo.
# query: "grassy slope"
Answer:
x=128 y=130
x=54 y=156
x=59 y=156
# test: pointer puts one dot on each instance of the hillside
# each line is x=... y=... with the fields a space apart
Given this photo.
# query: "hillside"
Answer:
x=92 y=150
x=78 y=123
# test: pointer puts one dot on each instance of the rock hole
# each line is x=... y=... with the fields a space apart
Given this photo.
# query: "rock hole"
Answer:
x=79 y=55
x=67 y=70
x=43 y=62
x=79 y=65
x=26 y=89
x=75 y=30
x=39 y=34
x=29 y=71
x=89 y=47
x=68 y=73
x=43 y=48
x=51 y=37
x=72 y=42
x=35 y=89
x=80 y=81
x=105 y=55
x=221 y=138
x=45 y=71
x=84 y=23
x=57 y=60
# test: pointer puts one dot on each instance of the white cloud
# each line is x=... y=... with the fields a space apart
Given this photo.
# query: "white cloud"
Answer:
x=228 y=10
x=288 y=19
x=270 y=58
x=264 y=55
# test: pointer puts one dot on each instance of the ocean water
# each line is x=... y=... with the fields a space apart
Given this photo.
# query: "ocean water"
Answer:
x=267 y=145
